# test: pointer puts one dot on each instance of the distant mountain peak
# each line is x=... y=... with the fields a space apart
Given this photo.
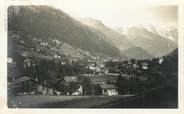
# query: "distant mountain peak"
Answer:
x=156 y=41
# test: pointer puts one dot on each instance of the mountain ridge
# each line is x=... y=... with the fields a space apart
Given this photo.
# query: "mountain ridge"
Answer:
x=117 y=39
x=46 y=23
x=155 y=42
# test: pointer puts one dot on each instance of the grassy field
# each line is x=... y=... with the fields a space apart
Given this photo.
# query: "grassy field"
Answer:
x=163 y=97
x=166 y=97
x=47 y=101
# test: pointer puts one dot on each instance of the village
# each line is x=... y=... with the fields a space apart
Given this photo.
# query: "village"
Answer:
x=92 y=77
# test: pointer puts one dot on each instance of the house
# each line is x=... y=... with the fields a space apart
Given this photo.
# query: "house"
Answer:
x=69 y=79
x=56 y=41
x=90 y=82
x=112 y=74
x=74 y=79
x=144 y=64
x=157 y=60
x=27 y=63
x=109 y=89
x=44 y=44
x=11 y=67
x=79 y=90
x=27 y=85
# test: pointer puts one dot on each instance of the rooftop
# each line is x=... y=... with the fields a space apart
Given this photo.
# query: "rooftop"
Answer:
x=23 y=79
x=108 y=86
x=71 y=78
x=100 y=78
x=20 y=80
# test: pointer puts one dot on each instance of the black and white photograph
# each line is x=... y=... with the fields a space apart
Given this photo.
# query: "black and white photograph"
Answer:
x=92 y=54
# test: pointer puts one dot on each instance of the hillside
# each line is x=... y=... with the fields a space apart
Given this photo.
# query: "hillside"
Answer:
x=174 y=53
x=35 y=25
x=138 y=53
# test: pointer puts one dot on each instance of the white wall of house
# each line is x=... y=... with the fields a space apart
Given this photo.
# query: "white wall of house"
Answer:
x=109 y=92
x=50 y=91
x=40 y=89
x=79 y=91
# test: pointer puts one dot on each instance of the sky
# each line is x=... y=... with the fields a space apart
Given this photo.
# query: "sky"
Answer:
x=120 y=12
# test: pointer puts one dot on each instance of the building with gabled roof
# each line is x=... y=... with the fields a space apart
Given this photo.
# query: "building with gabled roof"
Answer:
x=109 y=89
x=27 y=85
x=92 y=81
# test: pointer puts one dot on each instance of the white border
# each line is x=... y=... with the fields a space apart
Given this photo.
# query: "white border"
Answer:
x=3 y=71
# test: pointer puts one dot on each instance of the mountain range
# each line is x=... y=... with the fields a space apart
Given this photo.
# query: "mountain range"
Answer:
x=156 y=42
x=47 y=23
x=39 y=26
x=115 y=38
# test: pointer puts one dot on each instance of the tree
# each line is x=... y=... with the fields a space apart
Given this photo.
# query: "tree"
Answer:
x=87 y=87
x=97 y=89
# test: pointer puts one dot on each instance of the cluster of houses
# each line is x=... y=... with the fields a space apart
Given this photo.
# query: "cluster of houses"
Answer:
x=129 y=66
x=86 y=85
x=31 y=85
x=99 y=82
